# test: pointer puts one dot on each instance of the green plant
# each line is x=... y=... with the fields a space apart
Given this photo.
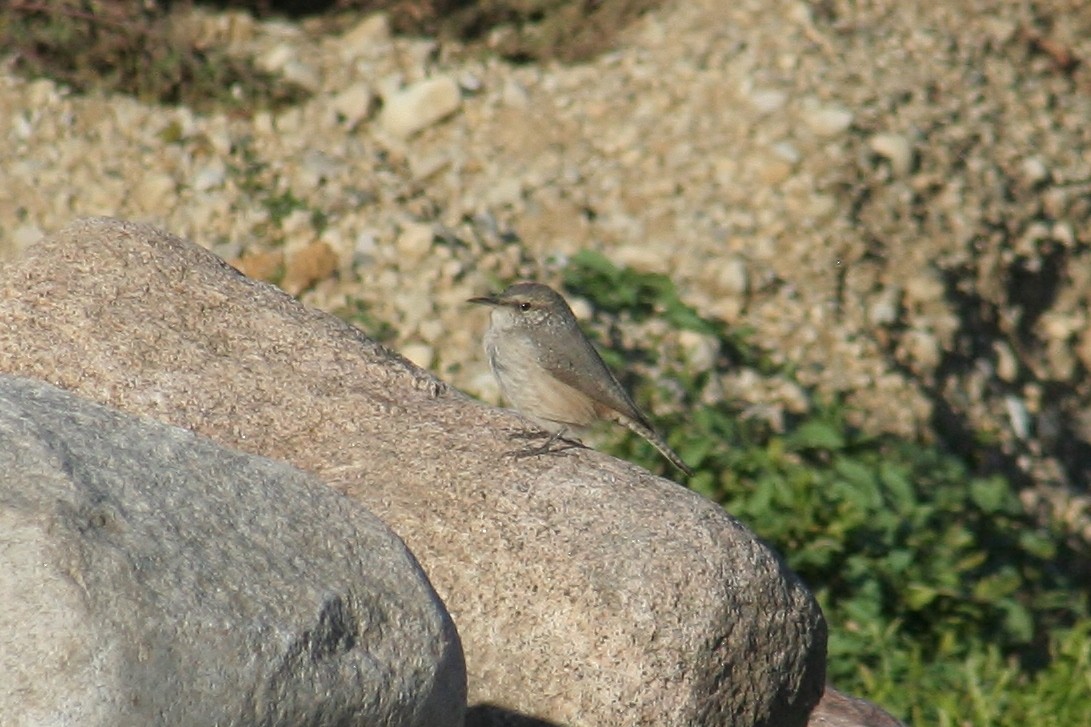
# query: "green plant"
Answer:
x=947 y=603
x=136 y=48
x=281 y=205
x=616 y=290
x=262 y=184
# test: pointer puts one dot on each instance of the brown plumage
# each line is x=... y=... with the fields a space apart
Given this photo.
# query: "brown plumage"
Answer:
x=549 y=371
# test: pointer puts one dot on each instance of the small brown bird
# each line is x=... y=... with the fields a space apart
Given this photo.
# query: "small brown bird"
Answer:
x=549 y=371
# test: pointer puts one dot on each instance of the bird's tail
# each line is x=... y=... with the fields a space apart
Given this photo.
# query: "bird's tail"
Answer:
x=658 y=442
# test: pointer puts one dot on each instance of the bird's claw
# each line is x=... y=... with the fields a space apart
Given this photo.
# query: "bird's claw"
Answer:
x=556 y=443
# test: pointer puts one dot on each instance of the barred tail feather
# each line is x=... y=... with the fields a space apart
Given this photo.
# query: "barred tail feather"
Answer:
x=653 y=438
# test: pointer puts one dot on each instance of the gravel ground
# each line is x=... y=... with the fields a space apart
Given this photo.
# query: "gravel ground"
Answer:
x=893 y=196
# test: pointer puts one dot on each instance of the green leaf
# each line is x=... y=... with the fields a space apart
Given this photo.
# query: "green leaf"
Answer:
x=817 y=434
x=918 y=596
x=1037 y=544
x=997 y=587
x=899 y=560
x=899 y=490
x=859 y=475
x=993 y=495
x=684 y=317
x=1018 y=621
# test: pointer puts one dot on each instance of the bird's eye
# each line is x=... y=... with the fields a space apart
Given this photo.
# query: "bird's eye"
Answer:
x=524 y=306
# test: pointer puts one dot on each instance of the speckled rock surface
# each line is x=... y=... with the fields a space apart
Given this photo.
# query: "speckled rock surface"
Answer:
x=585 y=590
x=150 y=576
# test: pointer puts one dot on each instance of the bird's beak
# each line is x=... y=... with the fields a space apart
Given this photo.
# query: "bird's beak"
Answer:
x=485 y=300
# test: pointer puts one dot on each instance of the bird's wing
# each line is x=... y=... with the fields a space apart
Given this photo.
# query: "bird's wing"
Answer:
x=582 y=368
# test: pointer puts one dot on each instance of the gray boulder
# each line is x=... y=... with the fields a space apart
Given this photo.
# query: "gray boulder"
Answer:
x=586 y=591
x=151 y=577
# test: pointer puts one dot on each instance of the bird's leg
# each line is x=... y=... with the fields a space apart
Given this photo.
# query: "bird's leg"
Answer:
x=532 y=434
x=548 y=447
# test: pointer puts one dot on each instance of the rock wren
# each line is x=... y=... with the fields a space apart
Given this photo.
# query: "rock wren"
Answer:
x=550 y=372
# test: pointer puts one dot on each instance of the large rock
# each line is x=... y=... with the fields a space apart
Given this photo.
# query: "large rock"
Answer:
x=149 y=576
x=585 y=590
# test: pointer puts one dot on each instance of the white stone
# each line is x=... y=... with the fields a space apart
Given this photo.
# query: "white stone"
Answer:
x=42 y=92
x=275 y=59
x=1007 y=364
x=515 y=94
x=732 y=276
x=353 y=104
x=701 y=350
x=642 y=257
x=22 y=126
x=505 y=192
x=297 y=230
x=1059 y=326
x=155 y=192
x=371 y=31
x=829 y=120
x=289 y=122
x=417 y=107
x=432 y=330
x=414 y=242
x=425 y=167
x=414 y=305
x=786 y=151
x=263 y=124
x=470 y=82
x=896 y=149
x=1034 y=170
x=25 y=235
x=302 y=74
x=923 y=349
x=210 y=176
x=390 y=85
x=419 y=353
x=317 y=167
x=365 y=249
x=924 y=288
x=1017 y=416
x=767 y=101
x=581 y=308
x=340 y=246
x=884 y=310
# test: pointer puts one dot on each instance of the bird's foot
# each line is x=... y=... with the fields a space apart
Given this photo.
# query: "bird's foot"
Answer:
x=532 y=434
x=556 y=443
